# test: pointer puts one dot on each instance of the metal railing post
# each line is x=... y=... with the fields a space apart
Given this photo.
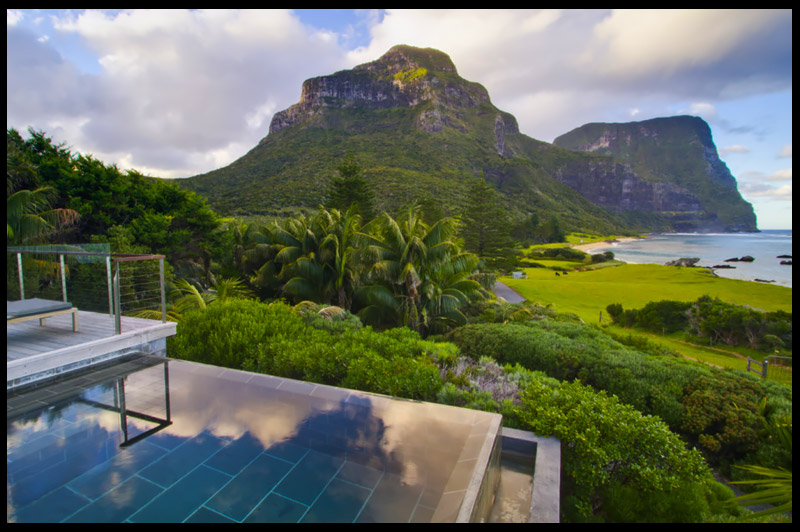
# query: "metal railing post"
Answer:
x=110 y=286
x=117 y=302
x=21 y=282
x=163 y=293
x=765 y=365
x=63 y=278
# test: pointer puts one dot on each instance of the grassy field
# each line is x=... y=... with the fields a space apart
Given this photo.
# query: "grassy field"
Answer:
x=587 y=293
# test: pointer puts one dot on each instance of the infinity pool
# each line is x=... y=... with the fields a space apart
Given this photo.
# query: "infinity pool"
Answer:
x=160 y=440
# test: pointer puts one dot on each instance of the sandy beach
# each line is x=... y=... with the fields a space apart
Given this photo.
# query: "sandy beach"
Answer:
x=586 y=248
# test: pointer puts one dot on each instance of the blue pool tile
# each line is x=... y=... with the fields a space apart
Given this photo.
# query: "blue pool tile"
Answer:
x=166 y=440
x=309 y=477
x=359 y=474
x=183 y=459
x=204 y=515
x=287 y=451
x=118 y=504
x=276 y=509
x=30 y=460
x=61 y=464
x=392 y=501
x=121 y=467
x=51 y=508
x=183 y=498
x=339 y=503
x=238 y=454
x=246 y=490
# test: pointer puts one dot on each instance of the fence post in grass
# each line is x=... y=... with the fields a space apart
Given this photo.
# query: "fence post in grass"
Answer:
x=765 y=365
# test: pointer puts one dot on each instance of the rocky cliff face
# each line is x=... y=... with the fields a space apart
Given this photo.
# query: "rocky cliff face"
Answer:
x=403 y=77
x=614 y=185
x=677 y=160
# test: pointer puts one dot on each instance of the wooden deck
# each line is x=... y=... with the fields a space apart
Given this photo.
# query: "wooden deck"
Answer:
x=33 y=349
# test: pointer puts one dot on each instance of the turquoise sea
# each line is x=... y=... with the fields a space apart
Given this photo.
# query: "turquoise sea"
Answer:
x=713 y=249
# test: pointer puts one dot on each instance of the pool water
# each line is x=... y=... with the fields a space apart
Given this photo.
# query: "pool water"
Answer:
x=160 y=440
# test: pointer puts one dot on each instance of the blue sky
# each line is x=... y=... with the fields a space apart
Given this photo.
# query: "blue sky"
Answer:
x=175 y=93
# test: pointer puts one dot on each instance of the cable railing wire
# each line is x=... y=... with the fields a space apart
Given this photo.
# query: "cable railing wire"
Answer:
x=90 y=277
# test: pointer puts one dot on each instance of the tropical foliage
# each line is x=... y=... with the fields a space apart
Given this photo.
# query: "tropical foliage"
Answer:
x=390 y=272
x=419 y=276
x=30 y=216
x=70 y=189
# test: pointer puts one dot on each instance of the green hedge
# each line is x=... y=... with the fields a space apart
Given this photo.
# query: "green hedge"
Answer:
x=670 y=388
x=617 y=464
x=273 y=338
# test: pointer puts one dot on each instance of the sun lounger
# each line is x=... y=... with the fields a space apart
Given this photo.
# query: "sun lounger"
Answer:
x=28 y=309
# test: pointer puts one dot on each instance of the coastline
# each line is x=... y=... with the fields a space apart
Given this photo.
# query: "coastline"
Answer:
x=586 y=248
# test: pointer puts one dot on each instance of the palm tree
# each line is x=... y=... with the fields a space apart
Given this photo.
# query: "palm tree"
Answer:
x=418 y=271
x=327 y=271
x=29 y=218
x=449 y=288
x=187 y=297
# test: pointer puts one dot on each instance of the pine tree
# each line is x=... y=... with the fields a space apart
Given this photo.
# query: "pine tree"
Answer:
x=351 y=187
x=485 y=225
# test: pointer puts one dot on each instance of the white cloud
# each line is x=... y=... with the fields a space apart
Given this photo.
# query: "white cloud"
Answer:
x=736 y=148
x=647 y=43
x=761 y=190
x=702 y=109
x=780 y=175
x=786 y=151
x=175 y=86
x=13 y=17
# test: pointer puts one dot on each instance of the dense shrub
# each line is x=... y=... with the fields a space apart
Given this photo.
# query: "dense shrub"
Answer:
x=671 y=388
x=565 y=253
x=231 y=333
x=664 y=316
x=726 y=428
x=602 y=257
x=711 y=318
x=618 y=465
x=328 y=318
x=641 y=343
x=488 y=311
x=274 y=339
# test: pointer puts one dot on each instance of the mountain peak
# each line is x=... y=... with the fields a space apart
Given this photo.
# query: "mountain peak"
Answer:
x=402 y=57
x=403 y=77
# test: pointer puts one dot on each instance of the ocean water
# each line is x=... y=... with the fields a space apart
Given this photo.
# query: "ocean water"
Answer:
x=713 y=249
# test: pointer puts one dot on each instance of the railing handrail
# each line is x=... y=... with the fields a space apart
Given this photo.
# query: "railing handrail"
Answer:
x=114 y=256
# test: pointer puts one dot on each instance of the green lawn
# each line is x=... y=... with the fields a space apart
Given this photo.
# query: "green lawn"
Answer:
x=558 y=264
x=634 y=285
